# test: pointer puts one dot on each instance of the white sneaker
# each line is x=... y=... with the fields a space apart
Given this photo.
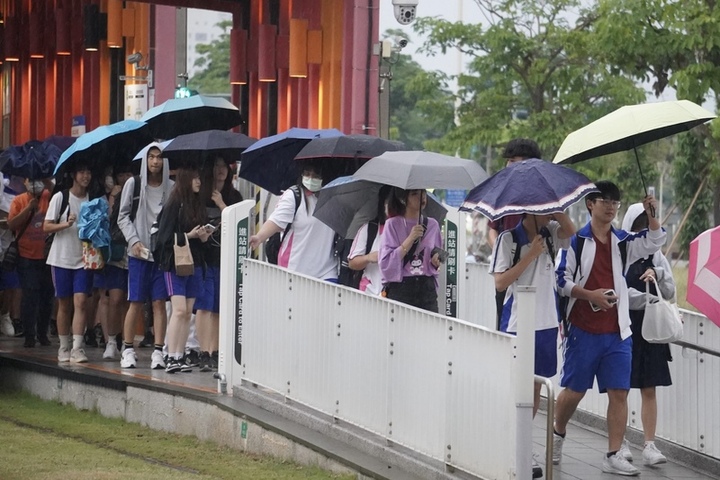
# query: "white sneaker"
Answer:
x=6 y=325
x=557 y=448
x=128 y=359
x=63 y=354
x=618 y=465
x=111 y=350
x=625 y=451
x=651 y=454
x=77 y=355
x=157 y=362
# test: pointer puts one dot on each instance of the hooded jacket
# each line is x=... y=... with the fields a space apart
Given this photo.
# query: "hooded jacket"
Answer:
x=639 y=245
x=138 y=230
x=663 y=270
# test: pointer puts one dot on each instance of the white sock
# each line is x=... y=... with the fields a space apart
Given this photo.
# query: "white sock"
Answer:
x=64 y=341
x=77 y=341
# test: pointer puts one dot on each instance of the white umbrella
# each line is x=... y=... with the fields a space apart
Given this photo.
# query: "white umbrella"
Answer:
x=143 y=152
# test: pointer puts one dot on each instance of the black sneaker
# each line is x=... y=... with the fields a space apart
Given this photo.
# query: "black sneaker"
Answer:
x=90 y=340
x=18 y=326
x=192 y=359
x=205 y=362
x=185 y=367
x=99 y=335
x=172 y=366
x=148 y=341
x=214 y=359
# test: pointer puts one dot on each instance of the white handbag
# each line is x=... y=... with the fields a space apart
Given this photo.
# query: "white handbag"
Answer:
x=662 y=322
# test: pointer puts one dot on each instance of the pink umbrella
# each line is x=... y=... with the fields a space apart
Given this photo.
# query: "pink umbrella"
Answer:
x=703 y=289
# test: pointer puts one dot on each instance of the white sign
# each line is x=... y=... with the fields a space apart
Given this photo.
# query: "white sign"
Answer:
x=136 y=101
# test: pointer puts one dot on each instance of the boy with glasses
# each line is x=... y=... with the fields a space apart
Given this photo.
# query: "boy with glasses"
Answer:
x=598 y=339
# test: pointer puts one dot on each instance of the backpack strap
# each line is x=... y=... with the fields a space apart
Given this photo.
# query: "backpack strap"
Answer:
x=516 y=246
x=410 y=253
x=296 y=193
x=372 y=231
x=65 y=203
x=136 y=197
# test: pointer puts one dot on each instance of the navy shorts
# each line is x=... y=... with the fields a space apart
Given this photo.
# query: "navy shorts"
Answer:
x=188 y=287
x=145 y=281
x=209 y=300
x=545 y=352
x=587 y=356
x=9 y=280
x=111 y=278
x=69 y=281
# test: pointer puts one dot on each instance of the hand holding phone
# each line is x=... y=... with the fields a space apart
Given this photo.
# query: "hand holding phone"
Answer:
x=442 y=254
x=209 y=227
x=608 y=293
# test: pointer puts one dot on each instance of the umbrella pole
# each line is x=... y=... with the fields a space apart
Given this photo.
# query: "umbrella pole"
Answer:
x=642 y=179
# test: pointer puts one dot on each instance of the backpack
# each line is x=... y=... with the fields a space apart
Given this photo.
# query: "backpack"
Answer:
x=118 y=243
x=272 y=246
x=64 y=203
x=348 y=276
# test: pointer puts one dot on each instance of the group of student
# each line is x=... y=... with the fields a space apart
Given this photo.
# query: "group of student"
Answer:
x=601 y=271
x=154 y=213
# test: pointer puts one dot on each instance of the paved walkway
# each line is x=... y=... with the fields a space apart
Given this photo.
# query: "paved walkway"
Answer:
x=582 y=452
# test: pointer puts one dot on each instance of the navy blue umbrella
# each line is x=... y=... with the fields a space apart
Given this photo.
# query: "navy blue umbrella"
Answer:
x=270 y=162
x=532 y=186
x=34 y=160
x=63 y=142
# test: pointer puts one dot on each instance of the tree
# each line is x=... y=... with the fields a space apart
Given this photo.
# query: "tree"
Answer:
x=531 y=74
x=215 y=57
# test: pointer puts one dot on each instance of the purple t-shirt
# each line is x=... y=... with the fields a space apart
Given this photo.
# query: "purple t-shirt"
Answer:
x=391 y=257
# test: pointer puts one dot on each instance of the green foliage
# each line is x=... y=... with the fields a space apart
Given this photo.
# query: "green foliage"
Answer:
x=215 y=58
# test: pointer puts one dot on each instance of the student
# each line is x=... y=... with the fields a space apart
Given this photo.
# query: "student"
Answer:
x=73 y=284
x=598 y=341
x=525 y=255
x=145 y=279
x=362 y=258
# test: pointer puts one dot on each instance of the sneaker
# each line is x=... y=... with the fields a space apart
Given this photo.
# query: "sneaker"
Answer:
x=618 y=465
x=77 y=355
x=99 y=335
x=44 y=341
x=537 y=471
x=63 y=354
x=157 y=362
x=625 y=451
x=185 y=367
x=205 y=362
x=89 y=337
x=19 y=329
x=651 y=455
x=111 y=350
x=192 y=358
x=214 y=360
x=128 y=359
x=557 y=448
x=6 y=326
x=148 y=341
x=173 y=365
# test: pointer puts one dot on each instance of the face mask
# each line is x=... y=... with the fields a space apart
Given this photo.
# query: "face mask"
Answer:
x=109 y=182
x=312 y=184
x=37 y=187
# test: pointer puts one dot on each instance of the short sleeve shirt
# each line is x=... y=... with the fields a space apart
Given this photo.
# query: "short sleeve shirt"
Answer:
x=66 y=250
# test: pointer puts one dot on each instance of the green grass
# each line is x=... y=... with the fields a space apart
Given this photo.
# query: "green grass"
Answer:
x=47 y=440
x=680 y=274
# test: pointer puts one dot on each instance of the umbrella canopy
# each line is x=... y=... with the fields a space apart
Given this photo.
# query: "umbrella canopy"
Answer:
x=703 y=288
x=630 y=127
x=197 y=147
x=346 y=203
x=107 y=145
x=142 y=153
x=532 y=186
x=180 y=116
x=363 y=147
x=270 y=162
x=411 y=170
x=34 y=160
x=94 y=222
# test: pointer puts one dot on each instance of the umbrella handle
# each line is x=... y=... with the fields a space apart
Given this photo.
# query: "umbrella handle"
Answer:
x=642 y=178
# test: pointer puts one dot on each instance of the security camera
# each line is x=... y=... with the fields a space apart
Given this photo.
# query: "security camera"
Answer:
x=135 y=58
x=405 y=11
x=400 y=43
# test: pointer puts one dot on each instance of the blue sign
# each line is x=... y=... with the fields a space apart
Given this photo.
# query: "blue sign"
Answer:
x=455 y=198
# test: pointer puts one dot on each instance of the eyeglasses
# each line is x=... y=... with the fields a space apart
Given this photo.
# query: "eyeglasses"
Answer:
x=608 y=203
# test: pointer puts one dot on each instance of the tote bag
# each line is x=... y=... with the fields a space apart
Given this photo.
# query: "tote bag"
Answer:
x=184 y=264
x=662 y=322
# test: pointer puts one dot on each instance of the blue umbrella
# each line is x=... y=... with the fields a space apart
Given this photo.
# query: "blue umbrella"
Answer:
x=179 y=116
x=107 y=145
x=270 y=162
x=34 y=160
x=94 y=222
x=532 y=186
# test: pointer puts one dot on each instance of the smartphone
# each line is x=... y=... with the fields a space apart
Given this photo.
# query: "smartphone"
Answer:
x=210 y=227
x=442 y=254
x=145 y=253
x=651 y=191
x=596 y=308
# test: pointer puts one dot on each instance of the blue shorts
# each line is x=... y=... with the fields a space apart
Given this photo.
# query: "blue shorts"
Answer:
x=188 y=287
x=209 y=300
x=69 y=281
x=111 y=278
x=9 y=280
x=545 y=352
x=588 y=355
x=145 y=281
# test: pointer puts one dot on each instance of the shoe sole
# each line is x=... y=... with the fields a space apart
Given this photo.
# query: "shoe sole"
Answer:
x=63 y=360
x=108 y=357
x=157 y=367
x=78 y=360
x=127 y=366
x=652 y=464
x=619 y=472
x=172 y=370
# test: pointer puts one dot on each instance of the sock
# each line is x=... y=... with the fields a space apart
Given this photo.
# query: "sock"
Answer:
x=64 y=341
x=127 y=346
x=77 y=341
x=610 y=454
x=651 y=442
x=159 y=347
x=559 y=434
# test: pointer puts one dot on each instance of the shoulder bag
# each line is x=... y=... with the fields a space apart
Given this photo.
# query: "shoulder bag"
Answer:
x=662 y=322
x=184 y=264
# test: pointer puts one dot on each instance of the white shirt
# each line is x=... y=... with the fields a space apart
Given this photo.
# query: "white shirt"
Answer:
x=539 y=274
x=66 y=250
x=308 y=246
x=372 y=273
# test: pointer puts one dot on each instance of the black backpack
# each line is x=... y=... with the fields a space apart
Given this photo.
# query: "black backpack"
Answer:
x=272 y=246
x=118 y=244
x=348 y=276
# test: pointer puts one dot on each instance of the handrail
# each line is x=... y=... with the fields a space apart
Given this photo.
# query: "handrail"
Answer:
x=550 y=424
x=698 y=348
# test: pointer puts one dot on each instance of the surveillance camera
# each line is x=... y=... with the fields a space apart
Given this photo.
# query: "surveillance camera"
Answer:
x=135 y=58
x=405 y=10
x=400 y=43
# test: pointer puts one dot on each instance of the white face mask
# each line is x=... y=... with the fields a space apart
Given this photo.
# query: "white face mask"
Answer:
x=109 y=182
x=37 y=187
x=312 y=184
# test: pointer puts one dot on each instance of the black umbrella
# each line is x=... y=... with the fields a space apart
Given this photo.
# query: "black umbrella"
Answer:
x=196 y=148
x=34 y=160
x=180 y=116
